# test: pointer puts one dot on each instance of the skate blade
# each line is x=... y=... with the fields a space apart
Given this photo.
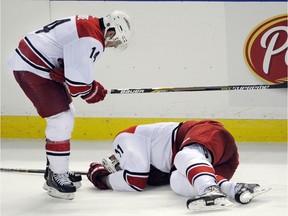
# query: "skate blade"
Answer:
x=56 y=194
x=258 y=191
x=201 y=205
x=45 y=186
x=76 y=184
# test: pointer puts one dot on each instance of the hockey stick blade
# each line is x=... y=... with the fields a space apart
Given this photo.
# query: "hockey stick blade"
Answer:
x=32 y=171
x=207 y=88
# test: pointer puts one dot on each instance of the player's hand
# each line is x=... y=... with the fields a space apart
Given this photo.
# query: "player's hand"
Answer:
x=57 y=74
x=96 y=173
x=96 y=94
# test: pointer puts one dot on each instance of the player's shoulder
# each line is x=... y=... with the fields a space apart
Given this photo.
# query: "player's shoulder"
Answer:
x=89 y=26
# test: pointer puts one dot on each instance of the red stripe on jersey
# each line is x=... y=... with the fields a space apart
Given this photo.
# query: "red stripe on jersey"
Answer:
x=197 y=170
x=62 y=146
x=89 y=27
x=76 y=90
x=136 y=182
x=129 y=130
x=29 y=54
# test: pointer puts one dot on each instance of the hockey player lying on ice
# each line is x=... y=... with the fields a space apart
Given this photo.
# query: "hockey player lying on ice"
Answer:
x=197 y=159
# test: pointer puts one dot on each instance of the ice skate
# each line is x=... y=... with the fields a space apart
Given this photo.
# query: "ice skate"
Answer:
x=246 y=192
x=212 y=199
x=60 y=186
x=74 y=178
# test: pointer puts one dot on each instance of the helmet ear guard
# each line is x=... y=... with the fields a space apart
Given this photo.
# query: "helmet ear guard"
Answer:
x=121 y=23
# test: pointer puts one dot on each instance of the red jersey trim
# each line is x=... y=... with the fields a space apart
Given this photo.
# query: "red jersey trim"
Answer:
x=89 y=28
x=137 y=181
x=76 y=88
x=129 y=130
x=32 y=56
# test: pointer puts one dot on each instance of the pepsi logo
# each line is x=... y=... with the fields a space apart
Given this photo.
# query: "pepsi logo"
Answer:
x=266 y=50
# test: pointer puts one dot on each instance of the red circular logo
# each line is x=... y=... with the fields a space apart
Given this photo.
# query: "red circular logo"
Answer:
x=266 y=50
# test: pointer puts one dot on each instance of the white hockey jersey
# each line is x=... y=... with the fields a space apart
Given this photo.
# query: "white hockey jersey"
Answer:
x=78 y=40
x=137 y=148
x=157 y=144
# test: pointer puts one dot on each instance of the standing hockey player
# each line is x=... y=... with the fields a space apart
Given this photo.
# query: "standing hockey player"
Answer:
x=198 y=158
x=38 y=66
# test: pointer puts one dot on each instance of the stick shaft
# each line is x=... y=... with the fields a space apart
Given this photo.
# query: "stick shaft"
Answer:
x=207 y=88
x=162 y=90
x=32 y=171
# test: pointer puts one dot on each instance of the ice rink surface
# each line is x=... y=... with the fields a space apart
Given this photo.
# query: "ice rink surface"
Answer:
x=22 y=193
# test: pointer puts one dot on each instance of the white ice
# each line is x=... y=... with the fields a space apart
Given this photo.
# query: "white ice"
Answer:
x=22 y=193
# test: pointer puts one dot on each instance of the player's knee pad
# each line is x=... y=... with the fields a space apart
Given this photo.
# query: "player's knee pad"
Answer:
x=59 y=127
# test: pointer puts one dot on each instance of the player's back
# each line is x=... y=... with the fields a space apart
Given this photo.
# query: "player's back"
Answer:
x=50 y=39
x=160 y=135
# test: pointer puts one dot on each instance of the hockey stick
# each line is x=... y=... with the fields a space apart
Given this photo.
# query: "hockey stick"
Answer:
x=208 y=88
x=32 y=171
